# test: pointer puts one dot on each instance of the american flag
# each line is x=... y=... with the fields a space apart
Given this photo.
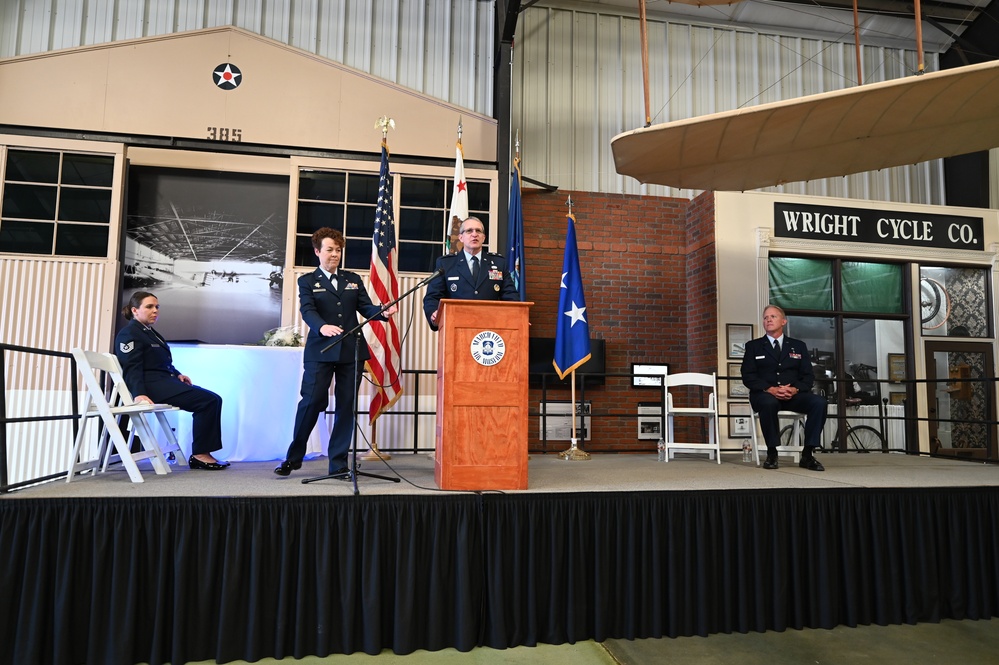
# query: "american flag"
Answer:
x=383 y=336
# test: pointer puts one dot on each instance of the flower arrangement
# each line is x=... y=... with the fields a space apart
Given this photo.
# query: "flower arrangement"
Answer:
x=284 y=336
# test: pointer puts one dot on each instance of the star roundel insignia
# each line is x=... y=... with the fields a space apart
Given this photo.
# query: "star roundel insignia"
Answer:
x=227 y=76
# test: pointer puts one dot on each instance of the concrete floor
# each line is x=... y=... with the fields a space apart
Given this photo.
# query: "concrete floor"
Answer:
x=944 y=643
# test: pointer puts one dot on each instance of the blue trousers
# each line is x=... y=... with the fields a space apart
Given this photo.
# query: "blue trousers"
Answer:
x=766 y=407
x=315 y=397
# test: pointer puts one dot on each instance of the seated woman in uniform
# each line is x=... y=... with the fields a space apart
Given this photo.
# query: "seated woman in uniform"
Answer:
x=151 y=377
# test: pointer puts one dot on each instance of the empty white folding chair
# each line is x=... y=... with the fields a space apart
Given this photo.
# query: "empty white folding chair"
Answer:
x=792 y=435
x=699 y=405
x=109 y=407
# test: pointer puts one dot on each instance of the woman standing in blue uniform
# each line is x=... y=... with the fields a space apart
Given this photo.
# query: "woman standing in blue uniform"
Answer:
x=151 y=377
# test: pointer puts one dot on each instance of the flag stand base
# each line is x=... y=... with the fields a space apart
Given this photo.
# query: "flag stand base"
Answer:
x=574 y=454
x=373 y=454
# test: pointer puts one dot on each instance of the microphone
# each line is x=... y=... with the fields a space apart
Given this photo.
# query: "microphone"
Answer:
x=436 y=273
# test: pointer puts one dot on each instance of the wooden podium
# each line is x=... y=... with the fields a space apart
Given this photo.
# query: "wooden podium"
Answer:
x=482 y=395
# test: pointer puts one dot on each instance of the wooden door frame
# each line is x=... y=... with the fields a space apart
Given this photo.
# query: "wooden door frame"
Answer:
x=931 y=347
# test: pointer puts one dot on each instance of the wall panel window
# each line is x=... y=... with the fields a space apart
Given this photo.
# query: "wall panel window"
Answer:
x=56 y=203
x=424 y=204
x=346 y=201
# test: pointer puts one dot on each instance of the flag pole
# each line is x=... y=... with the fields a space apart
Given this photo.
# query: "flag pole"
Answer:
x=573 y=454
x=373 y=454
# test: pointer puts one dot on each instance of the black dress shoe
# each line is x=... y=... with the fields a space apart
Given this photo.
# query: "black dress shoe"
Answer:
x=195 y=463
x=287 y=467
x=770 y=462
x=811 y=464
x=343 y=473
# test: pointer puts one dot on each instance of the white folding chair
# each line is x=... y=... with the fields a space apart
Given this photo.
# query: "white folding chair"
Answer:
x=703 y=383
x=109 y=408
x=796 y=440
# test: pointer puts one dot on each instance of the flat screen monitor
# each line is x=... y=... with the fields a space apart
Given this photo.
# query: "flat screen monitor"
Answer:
x=542 y=351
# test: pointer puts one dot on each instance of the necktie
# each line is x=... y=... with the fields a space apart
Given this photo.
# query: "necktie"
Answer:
x=777 y=347
x=333 y=281
x=475 y=269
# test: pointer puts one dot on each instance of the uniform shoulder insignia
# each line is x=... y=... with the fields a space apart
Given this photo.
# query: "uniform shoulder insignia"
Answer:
x=126 y=347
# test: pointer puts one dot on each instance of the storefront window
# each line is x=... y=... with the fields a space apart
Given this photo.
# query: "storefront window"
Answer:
x=852 y=346
x=872 y=287
x=954 y=302
x=801 y=283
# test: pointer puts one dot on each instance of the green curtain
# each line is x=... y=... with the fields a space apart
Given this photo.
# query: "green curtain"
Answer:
x=801 y=283
x=872 y=287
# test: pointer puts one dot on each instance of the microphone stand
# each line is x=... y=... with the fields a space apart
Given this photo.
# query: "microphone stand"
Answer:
x=356 y=331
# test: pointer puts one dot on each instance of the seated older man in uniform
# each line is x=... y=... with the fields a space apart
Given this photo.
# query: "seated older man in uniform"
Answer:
x=779 y=375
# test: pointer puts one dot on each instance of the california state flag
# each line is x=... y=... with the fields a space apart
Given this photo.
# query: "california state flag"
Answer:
x=459 y=201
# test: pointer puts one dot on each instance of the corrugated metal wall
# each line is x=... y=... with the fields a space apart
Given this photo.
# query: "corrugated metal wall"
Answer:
x=56 y=305
x=442 y=48
x=577 y=71
x=578 y=82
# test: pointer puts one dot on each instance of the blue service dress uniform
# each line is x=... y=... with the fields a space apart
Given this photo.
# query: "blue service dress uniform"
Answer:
x=456 y=281
x=321 y=303
x=147 y=367
x=762 y=368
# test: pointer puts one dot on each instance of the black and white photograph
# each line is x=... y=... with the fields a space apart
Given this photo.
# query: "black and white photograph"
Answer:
x=736 y=336
x=210 y=246
x=736 y=388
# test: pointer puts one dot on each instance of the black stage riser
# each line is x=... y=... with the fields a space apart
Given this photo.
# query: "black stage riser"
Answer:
x=174 y=580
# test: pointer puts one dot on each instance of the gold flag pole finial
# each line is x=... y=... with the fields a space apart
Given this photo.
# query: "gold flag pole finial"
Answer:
x=459 y=129
x=385 y=123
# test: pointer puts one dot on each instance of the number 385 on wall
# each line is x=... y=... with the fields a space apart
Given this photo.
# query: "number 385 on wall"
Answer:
x=234 y=135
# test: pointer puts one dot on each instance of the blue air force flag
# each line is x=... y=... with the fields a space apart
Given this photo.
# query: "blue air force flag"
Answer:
x=572 y=332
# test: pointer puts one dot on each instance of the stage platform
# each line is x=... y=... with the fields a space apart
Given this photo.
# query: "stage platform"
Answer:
x=547 y=473
x=242 y=564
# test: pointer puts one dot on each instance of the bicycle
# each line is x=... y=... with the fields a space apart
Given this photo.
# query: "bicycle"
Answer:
x=861 y=437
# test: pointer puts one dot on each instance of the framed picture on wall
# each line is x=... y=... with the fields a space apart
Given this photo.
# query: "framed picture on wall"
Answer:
x=896 y=399
x=736 y=336
x=653 y=375
x=736 y=388
x=896 y=367
x=740 y=422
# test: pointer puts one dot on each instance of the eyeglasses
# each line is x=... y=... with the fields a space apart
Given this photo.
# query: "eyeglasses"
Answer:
x=479 y=231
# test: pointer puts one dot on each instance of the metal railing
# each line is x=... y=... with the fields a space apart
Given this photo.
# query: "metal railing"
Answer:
x=5 y=420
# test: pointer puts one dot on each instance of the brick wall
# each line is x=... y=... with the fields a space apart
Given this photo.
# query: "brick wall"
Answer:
x=648 y=266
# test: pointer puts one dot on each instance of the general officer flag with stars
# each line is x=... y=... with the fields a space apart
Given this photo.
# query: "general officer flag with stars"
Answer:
x=572 y=332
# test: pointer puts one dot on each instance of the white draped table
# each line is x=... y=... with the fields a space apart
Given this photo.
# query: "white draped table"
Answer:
x=259 y=386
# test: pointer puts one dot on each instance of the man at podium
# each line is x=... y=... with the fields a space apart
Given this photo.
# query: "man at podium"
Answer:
x=470 y=274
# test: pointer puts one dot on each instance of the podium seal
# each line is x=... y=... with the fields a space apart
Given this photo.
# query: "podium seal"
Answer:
x=488 y=348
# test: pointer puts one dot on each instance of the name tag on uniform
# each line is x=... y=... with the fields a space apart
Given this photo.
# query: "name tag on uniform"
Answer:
x=319 y=290
x=760 y=357
x=452 y=279
x=155 y=346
